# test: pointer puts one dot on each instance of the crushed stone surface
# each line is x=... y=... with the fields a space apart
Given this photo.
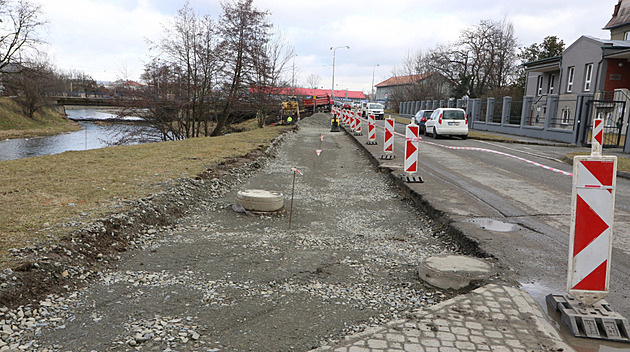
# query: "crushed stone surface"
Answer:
x=221 y=280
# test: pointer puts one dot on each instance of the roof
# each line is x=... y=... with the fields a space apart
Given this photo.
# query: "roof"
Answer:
x=544 y=65
x=403 y=80
x=621 y=15
x=350 y=94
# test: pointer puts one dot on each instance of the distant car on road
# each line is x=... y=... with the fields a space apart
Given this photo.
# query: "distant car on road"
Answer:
x=375 y=109
x=421 y=119
x=447 y=122
x=346 y=106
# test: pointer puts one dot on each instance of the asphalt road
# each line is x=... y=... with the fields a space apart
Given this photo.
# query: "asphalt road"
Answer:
x=472 y=186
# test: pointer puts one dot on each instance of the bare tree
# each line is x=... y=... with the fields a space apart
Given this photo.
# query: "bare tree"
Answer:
x=180 y=101
x=482 y=61
x=245 y=34
x=312 y=81
x=211 y=73
x=33 y=85
x=19 y=23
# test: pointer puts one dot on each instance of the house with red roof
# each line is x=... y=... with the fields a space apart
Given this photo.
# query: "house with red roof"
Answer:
x=404 y=86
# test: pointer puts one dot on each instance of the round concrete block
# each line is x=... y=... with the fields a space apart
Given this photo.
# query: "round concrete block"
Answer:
x=453 y=271
x=260 y=200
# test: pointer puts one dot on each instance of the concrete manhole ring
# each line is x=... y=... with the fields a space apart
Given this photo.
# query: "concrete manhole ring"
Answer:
x=454 y=271
x=260 y=200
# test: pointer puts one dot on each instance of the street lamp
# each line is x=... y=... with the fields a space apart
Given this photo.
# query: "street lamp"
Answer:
x=374 y=69
x=333 y=75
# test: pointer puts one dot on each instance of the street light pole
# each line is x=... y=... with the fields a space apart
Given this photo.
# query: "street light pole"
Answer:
x=374 y=69
x=332 y=96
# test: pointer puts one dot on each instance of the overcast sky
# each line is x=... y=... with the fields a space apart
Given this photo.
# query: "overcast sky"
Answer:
x=107 y=38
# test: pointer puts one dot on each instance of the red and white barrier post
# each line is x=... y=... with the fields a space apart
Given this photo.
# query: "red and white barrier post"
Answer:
x=371 y=130
x=593 y=204
x=353 y=121
x=359 y=129
x=388 y=145
x=411 y=153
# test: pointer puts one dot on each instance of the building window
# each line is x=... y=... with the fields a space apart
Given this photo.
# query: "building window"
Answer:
x=626 y=36
x=570 y=79
x=588 y=75
x=566 y=116
x=539 y=86
x=552 y=82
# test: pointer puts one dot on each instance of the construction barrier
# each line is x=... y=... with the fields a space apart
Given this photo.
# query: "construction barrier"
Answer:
x=598 y=136
x=593 y=203
x=411 y=148
x=388 y=145
x=371 y=129
x=353 y=121
x=359 y=124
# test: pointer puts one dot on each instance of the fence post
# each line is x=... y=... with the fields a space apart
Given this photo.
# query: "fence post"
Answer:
x=451 y=102
x=435 y=104
x=417 y=107
x=490 y=110
x=552 y=109
x=423 y=105
x=475 y=111
x=507 y=108
x=527 y=110
x=400 y=107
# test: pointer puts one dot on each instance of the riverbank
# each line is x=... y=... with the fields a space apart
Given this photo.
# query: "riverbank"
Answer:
x=14 y=124
x=53 y=195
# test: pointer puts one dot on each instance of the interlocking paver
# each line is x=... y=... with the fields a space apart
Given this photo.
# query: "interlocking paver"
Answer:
x=465 y=323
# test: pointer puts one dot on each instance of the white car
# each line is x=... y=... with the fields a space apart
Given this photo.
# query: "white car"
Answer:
x=447 y=122
x=375 y=109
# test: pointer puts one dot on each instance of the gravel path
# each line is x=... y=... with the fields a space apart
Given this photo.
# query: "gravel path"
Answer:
x=219 y=280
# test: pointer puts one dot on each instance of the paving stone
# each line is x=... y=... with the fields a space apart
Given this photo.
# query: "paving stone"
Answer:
x=372 y=343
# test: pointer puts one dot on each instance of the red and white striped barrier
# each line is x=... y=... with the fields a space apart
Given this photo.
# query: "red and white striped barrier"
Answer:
x=357 y=117
x=411 y=148
x=353 y=121
x=388 y=145
x=371 y=129
x=593 y=207
x=598 y=137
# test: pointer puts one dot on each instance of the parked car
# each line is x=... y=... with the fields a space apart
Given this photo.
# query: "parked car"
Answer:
x=421 y=119
x=447 y=122
x=375 y=109
x=346 y=106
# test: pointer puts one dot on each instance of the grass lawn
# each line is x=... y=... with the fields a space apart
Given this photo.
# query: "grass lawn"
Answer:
x=39 y=192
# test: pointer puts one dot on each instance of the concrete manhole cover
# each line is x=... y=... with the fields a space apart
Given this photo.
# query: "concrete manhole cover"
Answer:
x=260 y=200
x=453 y=271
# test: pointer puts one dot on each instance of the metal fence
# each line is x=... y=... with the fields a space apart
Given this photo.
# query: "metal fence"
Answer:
x=497 y=112
x=516 y=110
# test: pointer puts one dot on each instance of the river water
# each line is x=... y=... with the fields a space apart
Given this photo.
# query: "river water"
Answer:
x=93 y=135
